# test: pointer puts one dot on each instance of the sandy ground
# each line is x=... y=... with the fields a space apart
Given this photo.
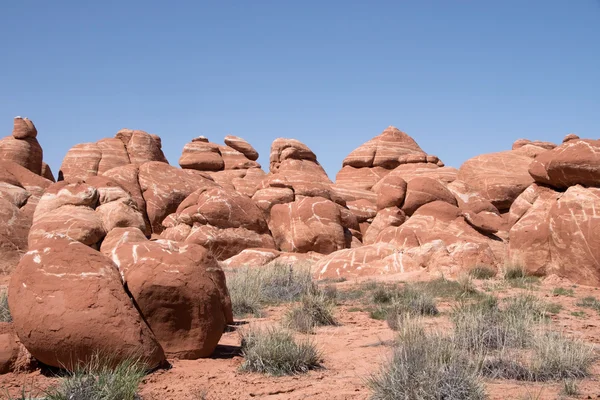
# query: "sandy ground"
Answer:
x=351 y=352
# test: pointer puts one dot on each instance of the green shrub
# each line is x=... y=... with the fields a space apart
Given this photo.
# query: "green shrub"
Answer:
x=514 y=271
x=445 y=288
x=426 y=367
x=409 y=300
x=482 y=272
x=99 y=380
x=274 y=351
x=563 y=292
x=314 y=310
x=589 y=302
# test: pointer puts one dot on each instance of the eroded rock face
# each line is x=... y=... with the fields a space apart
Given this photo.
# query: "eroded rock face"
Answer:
x=575 y=162
x=68 y=303
x=221 y=220
x=84 y=211
x=498 y=177
x=180 y=290
x=164 y=188
x=239 y=144
x=202 y=156
x=20 y=191
x=558 y=234
x=388 y=150
x=127 y=147
x=308 y=224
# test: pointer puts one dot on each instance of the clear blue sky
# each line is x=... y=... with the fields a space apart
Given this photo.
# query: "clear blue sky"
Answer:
x=462 y=77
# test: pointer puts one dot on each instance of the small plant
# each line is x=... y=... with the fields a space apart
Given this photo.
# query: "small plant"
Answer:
x=589 y=302
x=410 y=300
x=558 y=357
x=482 y=272
x=4 y=310
x=514 y=271
x=274 y=351
x=445 y=288
x=314 y=310
x=570 y=387
x=506 y=365
x=98 y=379
x=426 y=367
x=554 y=308
x=559 y=291
x=578 y=314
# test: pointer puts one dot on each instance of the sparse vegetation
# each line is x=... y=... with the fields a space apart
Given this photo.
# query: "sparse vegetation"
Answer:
x=394 y=303
x=556 y=357
x=482 y=272
x=445 y=288
x=252 y=288
x=426 y=367
x=99 y=380
x=4 y=310
x=578 y=314
x=274 y=351
x=514 y=271
x=590 y=302
x=314 y=310
x=560 y=291
x=570 y=387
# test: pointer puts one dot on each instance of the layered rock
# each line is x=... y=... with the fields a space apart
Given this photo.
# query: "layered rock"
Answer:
x=84 y=211
x=233 y=166
x=22 y=147
x=575 y=162
x=500 y=177
x=128 y=147
x=221 y=220
x=558 y=233
x=308 y=224
x=20 y=191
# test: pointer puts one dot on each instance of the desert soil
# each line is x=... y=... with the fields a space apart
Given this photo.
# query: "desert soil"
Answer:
x=351 y=352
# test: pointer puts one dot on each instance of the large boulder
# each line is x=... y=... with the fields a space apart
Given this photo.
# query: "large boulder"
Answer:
x=201 y=156
x=573 y=162
x=498 y=177
x=179 y=289
x=308 y=224
x=68 y=304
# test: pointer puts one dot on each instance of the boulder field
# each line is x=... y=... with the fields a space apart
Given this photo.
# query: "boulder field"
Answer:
x=124 y=253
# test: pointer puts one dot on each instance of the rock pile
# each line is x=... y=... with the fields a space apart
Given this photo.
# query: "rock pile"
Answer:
x=124 y=253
